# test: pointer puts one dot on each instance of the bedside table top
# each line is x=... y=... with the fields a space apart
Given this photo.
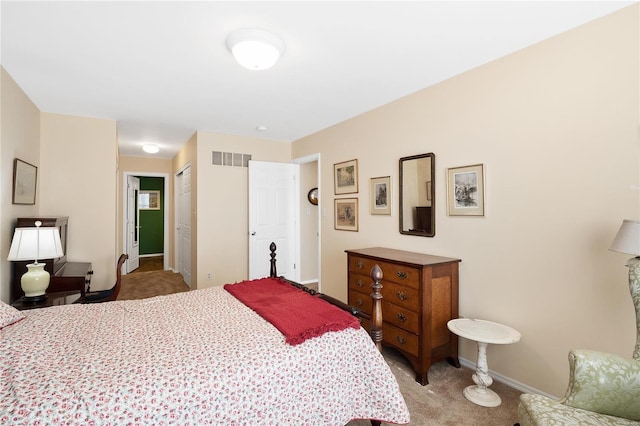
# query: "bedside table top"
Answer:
x=483 y=331
x=53 y=299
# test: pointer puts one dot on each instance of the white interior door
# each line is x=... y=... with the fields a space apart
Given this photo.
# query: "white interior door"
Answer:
x=272 y=207
x=133 y=224
x=183 y=234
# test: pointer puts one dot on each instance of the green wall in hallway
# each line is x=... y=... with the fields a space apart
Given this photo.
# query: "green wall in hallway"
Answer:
x=152 y=221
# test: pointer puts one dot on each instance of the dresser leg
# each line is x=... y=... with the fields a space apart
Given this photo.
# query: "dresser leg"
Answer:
x=422 y=378
x=453 y=360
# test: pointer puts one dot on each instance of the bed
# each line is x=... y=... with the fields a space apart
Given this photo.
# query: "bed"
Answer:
x=195 y=358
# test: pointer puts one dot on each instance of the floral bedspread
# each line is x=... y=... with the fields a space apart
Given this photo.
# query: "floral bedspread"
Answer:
x=194 y=358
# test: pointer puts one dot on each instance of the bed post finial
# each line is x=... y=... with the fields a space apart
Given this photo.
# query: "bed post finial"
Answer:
x=376 y=309
x=273 y=272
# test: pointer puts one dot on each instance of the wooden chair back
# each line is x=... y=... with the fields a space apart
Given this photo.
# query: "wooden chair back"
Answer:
x=116 y=288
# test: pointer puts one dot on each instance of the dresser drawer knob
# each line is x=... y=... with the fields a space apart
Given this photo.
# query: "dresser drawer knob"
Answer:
x=401 y=295
x=359 y=302
x=401 y=317
x=402 y=275
x=359 y=283
x=401 y=340
x=359 y=264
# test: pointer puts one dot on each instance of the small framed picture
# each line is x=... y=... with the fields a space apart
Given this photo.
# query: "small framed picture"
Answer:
x=345 y=177
x=380 y=195
x=346 y=214
x=465 y=190
x=149 y=200
x=24 y=182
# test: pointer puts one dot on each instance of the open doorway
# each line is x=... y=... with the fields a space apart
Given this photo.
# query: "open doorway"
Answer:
x=146 y=220
x=309 y=221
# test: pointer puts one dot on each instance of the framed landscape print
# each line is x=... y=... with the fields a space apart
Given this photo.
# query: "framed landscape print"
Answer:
x=345 y=177
x=465 y=190
x=380 y=195
x=24 y=182
x=149 y=200
x=346 y=214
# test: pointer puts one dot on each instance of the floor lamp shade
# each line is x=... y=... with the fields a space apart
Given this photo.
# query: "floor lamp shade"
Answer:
x=627 y=241
x=33 y=244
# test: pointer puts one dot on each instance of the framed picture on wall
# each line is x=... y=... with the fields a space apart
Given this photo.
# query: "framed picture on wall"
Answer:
x=345 y=177
x=380 y=195
x=346 y=214
x=149 y=200
x=24 y=182
x=465 y=190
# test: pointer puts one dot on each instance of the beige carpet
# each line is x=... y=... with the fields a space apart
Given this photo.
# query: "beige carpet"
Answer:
x=141 y=285
x=152 y=263
x=440 y=403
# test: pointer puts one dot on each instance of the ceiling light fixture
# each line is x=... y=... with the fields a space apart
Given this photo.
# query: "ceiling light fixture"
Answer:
x=255 y=49
x=150 y=148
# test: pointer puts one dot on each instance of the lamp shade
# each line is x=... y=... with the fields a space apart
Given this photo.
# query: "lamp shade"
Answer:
x=35 y=243
x=627 y=239
x=255 y=49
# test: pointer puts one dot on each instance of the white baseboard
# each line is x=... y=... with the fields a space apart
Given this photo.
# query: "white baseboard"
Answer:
x=305 y=282
x=151 y=255
x=507 y=380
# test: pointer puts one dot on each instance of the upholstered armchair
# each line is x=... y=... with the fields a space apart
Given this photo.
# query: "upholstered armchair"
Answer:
x=604 y=389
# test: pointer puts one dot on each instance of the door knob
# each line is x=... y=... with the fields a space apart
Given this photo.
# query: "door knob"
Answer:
x=253 y=233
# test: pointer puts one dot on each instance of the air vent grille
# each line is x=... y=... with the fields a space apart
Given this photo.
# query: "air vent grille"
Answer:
x=233 y=159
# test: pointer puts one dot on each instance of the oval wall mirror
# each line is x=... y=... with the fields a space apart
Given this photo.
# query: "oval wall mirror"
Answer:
x=417 y=195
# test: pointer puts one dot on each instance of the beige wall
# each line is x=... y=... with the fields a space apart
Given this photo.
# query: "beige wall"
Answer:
x=19 y=138
x=146 y=166
x=223 y=200
x=78 y=177
x=556 y=127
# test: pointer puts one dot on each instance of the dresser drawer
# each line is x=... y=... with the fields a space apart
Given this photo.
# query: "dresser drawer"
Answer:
x=391 y=313
x=400 y=339
x=400 y=295
x=390 y=271
x=401 y=317
x=400 y=274
x=361 y=301
x=361 y=283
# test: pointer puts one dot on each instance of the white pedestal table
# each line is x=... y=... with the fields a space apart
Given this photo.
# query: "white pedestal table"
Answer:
x=483 y=332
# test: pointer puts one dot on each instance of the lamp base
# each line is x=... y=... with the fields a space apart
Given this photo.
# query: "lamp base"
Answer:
x=634 y=287
x=35 y=282
x=34 y=299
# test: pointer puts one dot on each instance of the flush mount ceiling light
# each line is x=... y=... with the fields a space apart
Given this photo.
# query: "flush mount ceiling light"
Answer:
x=150 y=148
x=255 y=49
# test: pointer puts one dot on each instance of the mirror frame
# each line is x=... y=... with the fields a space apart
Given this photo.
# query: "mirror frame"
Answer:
x=433 y=195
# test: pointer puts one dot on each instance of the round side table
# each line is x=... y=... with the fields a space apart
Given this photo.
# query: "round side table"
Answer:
x=483 y=332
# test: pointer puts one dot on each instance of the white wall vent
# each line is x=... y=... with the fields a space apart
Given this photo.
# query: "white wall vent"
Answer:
x=233 y=159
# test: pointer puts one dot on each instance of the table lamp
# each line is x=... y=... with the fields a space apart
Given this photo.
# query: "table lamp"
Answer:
x=627 y=241
x=35 y=243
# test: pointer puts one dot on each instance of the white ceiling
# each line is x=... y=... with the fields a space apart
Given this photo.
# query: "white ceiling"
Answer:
x=162 y=70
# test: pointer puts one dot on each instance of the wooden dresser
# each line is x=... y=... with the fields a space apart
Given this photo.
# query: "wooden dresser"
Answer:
x=420 y=295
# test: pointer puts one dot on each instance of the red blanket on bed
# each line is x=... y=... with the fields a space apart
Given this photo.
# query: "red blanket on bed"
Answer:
x=297 y=314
